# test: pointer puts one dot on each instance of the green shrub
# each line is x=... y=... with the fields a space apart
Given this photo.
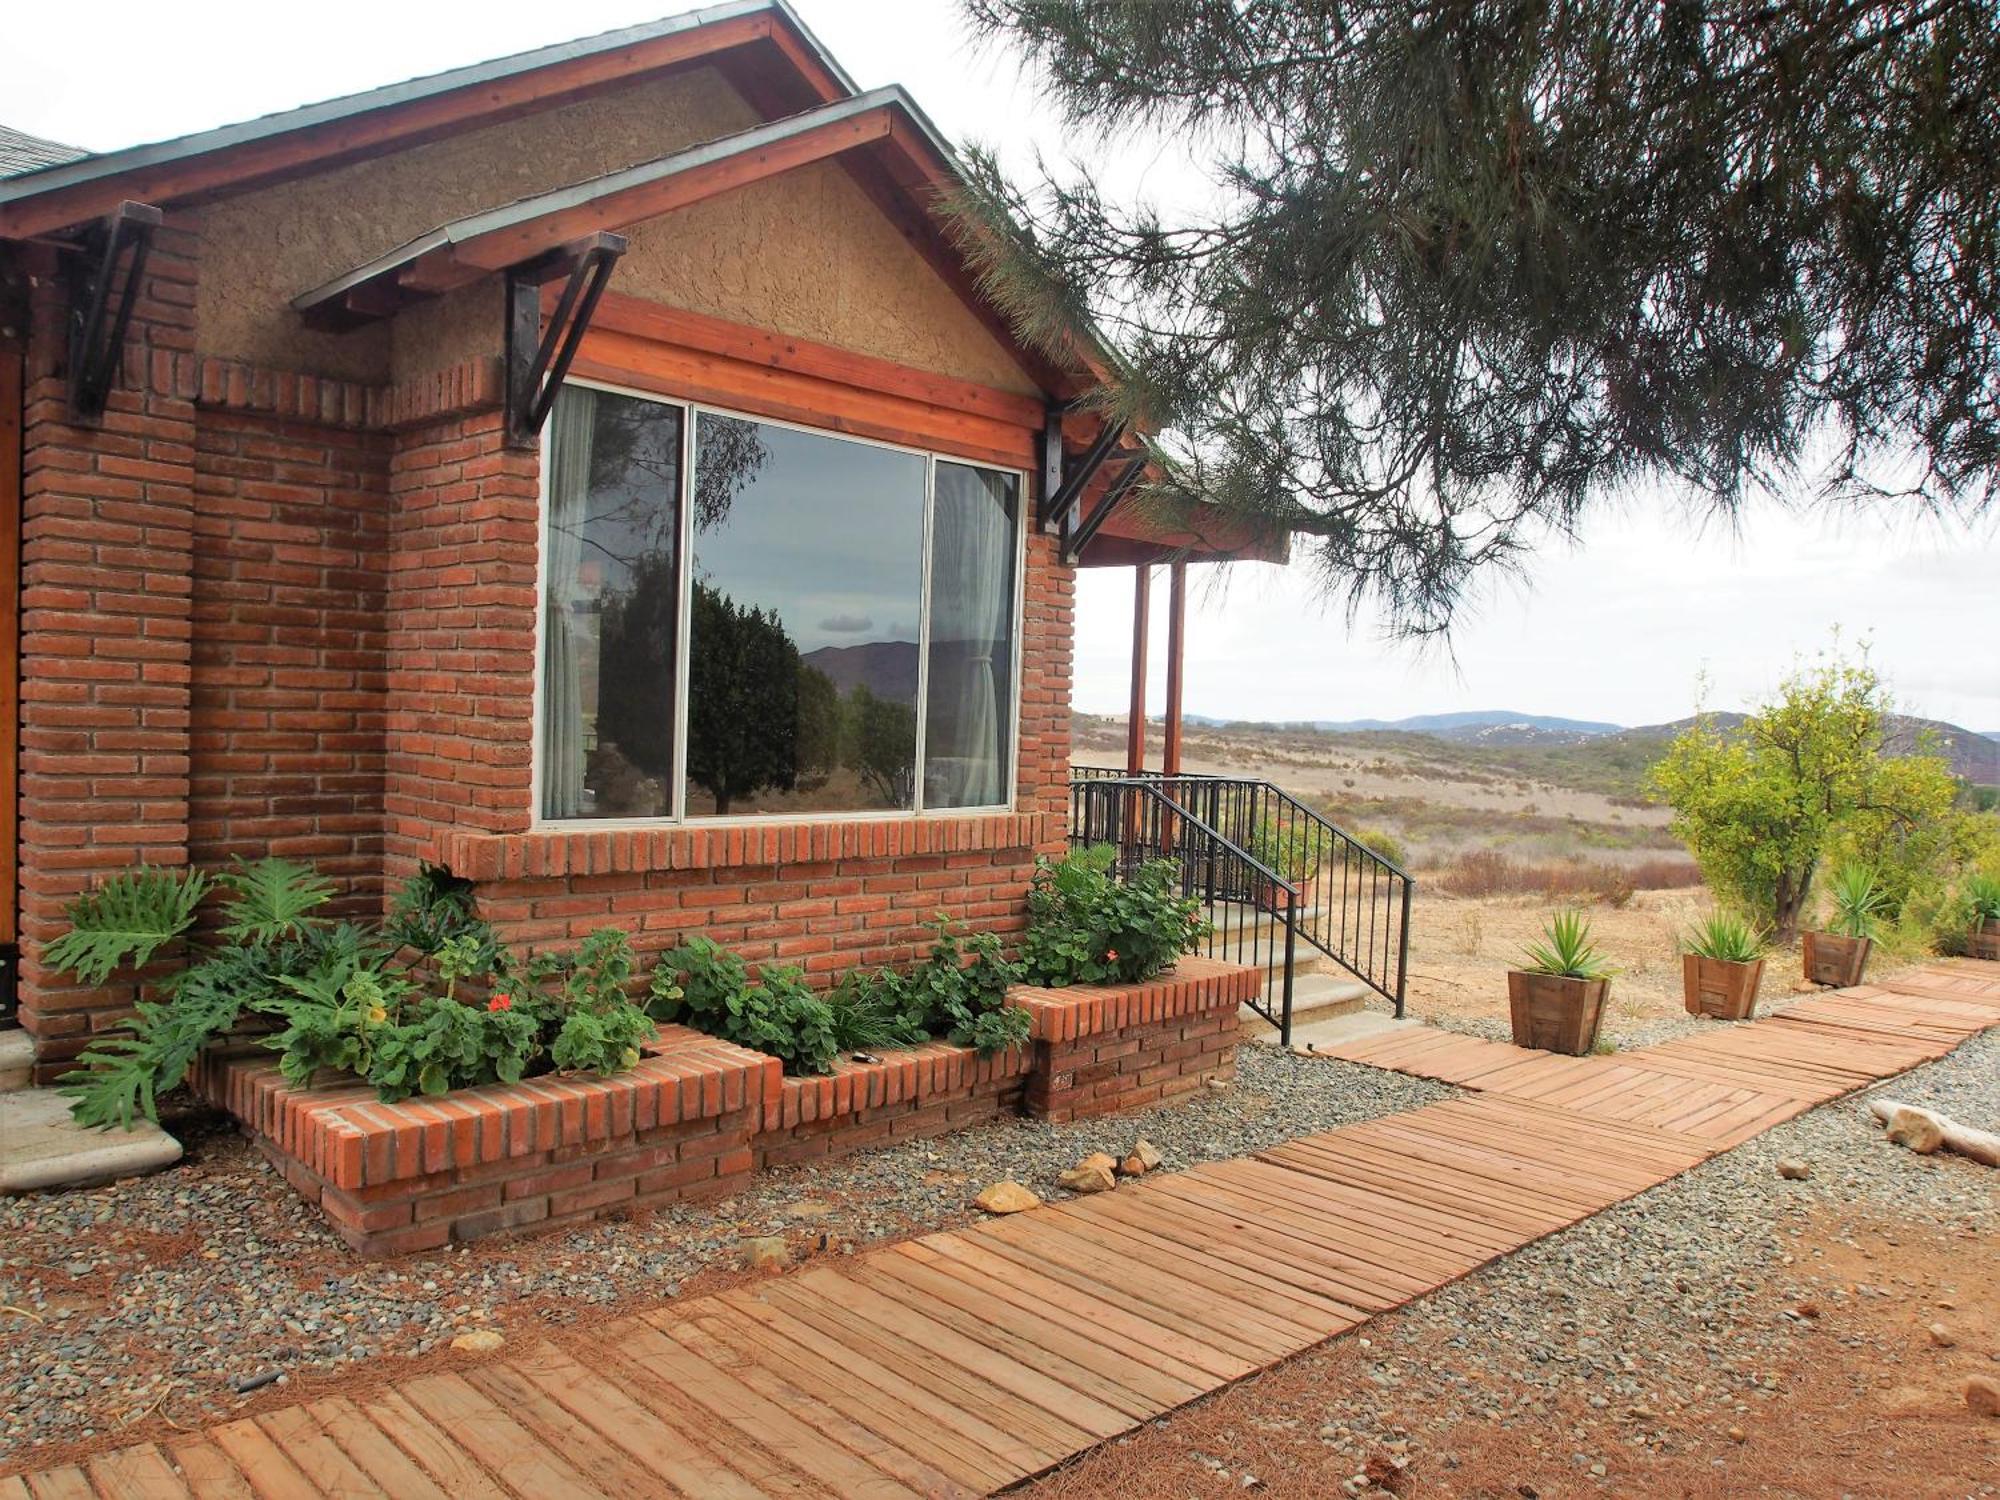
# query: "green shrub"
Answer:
x=378 y=1002
x=1385 y=844
x=963 y=1001
x=708 y=987
x=1087 y=927
x=1284 y=849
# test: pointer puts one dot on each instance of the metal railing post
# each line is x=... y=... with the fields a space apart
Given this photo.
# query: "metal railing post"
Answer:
x=1403 y=953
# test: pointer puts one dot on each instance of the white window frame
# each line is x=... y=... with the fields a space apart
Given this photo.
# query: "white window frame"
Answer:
x=690 y=412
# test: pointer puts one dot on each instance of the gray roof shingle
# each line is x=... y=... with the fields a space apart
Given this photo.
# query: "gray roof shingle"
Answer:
x=21 y=152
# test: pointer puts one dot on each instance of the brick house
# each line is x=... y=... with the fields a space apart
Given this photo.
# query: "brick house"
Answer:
x=594 y=471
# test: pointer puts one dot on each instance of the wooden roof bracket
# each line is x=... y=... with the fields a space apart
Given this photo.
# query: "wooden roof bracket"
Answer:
x=97 y=328
x=1059 y=501
x=1074 y=541
x=538 y=358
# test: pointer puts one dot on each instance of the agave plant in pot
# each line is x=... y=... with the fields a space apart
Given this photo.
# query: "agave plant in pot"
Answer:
x=1290 y=852
x=1556 y=999
x=1982 y=898
x=1722 y=968
x=1838 y=953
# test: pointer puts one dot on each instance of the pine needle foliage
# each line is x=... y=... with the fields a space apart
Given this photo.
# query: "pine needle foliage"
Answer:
x=1474 y=269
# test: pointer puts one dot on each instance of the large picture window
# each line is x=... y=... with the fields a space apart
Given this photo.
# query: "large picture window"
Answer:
x=742 y=618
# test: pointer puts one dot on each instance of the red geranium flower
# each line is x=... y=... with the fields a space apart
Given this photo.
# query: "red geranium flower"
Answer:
x=500 y=1002
x=1111 y=955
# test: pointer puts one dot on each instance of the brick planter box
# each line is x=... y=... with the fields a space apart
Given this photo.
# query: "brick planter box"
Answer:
x=909 y=1094
x=699 y=1115
x=421 y=1173
x=1102 y=1049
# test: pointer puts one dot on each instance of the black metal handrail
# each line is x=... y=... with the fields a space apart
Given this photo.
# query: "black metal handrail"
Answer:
x=1142 y=822
x=1348 y=901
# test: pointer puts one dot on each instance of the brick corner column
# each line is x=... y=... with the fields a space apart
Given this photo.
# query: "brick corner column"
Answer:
x=107 y=565
x=461 y=611
x=1048 y=647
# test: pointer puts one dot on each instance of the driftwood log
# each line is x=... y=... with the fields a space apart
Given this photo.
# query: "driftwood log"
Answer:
x=1925 y=1130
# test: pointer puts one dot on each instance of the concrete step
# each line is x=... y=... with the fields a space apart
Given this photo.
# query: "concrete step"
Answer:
x=42 y=1147
x=17 y=1059
x=1324 y=1035
x=1315 y=998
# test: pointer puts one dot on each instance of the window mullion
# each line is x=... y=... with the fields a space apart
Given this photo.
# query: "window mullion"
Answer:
x=684 y=613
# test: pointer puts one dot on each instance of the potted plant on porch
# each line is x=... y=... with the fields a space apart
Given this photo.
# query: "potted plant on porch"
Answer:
x=1290 y=852
x=1556 y=999
x=1722 y=968
x=1838 y=954
x=1982 y=898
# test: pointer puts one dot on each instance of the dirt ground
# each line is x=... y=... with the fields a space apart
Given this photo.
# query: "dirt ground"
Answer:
x=1462 y=947
x=1883 y=1420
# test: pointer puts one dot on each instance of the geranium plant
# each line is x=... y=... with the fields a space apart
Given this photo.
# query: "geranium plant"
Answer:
x=1086 y=926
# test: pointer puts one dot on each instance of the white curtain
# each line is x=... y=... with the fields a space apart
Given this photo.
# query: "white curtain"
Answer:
x=972 y=608
x=569 y=445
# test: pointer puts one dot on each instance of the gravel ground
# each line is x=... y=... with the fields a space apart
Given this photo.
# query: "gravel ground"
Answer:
x=159 y=1295
x=1669 y=1330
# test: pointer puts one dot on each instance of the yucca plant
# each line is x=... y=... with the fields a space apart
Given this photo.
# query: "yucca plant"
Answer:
x=1982 y=898
x=1858 y=902
x=1566 y=950
x=1725 y=937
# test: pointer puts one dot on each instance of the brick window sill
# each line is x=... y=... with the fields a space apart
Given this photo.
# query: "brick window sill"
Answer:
x=550 y=854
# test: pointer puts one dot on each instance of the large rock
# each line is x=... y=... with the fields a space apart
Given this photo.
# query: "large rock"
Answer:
x=1089 y=1177
x=1917 y=1130
x=1794 y=1170
x=1006 y=1198
x=1143 y=1158
x=479 y=1341
x=1982 y=1394
x=766 y=1252
x=1098 y=1159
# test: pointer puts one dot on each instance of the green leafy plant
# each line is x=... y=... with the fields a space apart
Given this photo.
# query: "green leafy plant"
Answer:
x=1085 y=926
x=967 y=1001
x=1565 y=950
x=1727 y=938
x=709 y=988
x=125 y=920
x=1858 y=902
x=1286 y=849
x=874 y=1008
x=1981 y=894
x=427 y=1001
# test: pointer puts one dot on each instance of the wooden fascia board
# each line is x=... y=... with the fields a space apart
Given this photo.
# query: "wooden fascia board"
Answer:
x=319 y=146
x=617 y=313
x=460 y=262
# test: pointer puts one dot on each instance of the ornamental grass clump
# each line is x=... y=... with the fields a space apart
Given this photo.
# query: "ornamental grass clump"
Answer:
x=425 y=1001
x=1086 y=926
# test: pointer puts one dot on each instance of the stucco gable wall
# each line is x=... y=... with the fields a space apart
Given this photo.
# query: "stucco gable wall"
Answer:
x=263 y=248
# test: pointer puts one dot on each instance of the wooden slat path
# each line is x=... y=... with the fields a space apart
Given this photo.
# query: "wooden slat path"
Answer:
x=962 y=1362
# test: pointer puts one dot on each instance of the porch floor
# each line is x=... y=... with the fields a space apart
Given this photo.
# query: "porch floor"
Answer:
x=961 y=1362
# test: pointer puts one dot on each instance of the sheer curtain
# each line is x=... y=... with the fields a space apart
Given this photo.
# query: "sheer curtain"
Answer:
x=972 y=610
x=570 y=432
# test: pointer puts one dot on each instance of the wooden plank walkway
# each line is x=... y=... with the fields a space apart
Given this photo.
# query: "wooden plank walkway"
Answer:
x=961 y=1362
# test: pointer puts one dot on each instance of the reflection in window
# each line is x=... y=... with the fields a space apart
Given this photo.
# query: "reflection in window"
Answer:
x=610 y=607
x=804 y=634
x=969 y=697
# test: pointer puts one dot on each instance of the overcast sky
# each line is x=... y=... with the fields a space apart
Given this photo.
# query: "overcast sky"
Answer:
x=1618 y=628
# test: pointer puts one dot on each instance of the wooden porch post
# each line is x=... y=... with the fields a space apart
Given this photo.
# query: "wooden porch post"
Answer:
x=1170 y=754
x=1135 y=719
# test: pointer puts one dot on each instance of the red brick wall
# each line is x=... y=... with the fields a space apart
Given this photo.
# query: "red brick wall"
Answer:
x=290 y=646
x=460 y=606
x=106 y=584
x=257 y=619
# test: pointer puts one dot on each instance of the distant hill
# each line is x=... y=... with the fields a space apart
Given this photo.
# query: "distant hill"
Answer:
x=1593 y=754
x=887 y=668
x=1476 y=724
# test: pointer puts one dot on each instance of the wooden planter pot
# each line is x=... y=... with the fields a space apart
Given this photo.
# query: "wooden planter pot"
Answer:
x=1719 y=988
x=1835 y=960
x=1985 y=939
x=1554 y=1013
